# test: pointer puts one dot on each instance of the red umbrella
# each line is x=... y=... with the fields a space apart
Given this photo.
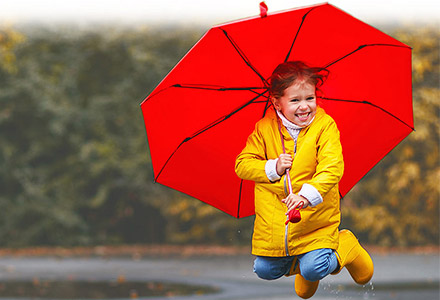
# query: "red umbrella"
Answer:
x=199 y=117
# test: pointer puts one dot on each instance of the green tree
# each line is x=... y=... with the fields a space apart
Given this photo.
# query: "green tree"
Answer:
x=75 y=166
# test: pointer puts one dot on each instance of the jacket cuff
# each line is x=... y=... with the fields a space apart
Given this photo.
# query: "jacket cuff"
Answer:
x=309 y=192
x=271 y=170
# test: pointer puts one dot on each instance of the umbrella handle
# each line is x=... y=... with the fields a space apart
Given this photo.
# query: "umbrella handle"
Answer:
x=289 y=183
x=294 y=215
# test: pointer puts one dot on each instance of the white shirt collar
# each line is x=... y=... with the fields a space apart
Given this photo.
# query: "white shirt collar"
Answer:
x=289 y=124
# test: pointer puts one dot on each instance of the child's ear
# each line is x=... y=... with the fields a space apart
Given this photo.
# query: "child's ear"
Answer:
x=275 y=103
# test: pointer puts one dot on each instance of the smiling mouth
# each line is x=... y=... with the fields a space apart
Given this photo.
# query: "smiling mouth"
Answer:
x=303 y=115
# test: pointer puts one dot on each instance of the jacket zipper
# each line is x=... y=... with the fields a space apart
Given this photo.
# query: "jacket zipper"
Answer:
x=286 y=246
x=285 y=239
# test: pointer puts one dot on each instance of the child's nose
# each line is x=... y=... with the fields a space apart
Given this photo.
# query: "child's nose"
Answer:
x=303 y=105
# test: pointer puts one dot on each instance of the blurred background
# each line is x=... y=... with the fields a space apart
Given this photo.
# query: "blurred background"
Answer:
x=74 y=163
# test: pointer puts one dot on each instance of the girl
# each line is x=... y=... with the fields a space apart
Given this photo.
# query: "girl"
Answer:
x=314 y=247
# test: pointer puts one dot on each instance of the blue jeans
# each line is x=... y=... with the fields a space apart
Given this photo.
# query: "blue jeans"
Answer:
x=313 y=265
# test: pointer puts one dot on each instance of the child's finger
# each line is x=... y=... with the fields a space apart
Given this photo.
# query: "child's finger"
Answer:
x=285 y=156
x=288 y=210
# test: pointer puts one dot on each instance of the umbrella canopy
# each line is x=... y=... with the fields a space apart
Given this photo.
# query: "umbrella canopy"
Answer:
x=199 y=117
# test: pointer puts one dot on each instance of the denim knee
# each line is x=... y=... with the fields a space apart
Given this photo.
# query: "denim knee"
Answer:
x=270 y=268
x=313 y=272
x=315 y=266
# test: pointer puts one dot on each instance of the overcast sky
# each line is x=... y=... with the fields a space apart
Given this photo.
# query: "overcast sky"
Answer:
x=202 y=11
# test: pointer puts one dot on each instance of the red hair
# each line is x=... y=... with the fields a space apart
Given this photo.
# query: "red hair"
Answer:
x=286 y=73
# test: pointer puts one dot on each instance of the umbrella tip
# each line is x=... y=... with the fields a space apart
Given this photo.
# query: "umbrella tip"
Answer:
x=263 y=9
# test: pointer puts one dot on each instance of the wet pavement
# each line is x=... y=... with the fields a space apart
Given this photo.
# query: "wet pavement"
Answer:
x=396 y=276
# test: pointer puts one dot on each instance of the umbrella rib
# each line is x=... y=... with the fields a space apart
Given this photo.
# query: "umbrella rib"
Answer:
x=239 y=199
x=224 y=118
x=266 y=107
x=214 y=88
x=362 y=47
x=369 y=103
x=243 y=56
x=218 y=121
x=223 y=89
x=205 y=87
x=296 y=35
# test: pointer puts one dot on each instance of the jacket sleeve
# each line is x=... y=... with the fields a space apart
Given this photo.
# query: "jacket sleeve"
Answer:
x=330 y=164
x=250 y=163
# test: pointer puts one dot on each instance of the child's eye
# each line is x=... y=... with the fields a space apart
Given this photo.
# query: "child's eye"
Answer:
x=310 y=98
x=294 y=100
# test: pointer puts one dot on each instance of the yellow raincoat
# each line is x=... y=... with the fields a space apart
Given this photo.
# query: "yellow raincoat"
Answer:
x=318 y=161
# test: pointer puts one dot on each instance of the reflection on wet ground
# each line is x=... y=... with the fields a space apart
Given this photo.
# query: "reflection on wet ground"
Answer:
x=427 y=290
x=49 y=289
x=122 y=289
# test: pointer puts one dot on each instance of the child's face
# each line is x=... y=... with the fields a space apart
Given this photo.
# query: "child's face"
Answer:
x=298 y=103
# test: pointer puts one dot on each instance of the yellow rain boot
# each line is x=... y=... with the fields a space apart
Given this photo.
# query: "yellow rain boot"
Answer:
x=304 y=288
x=351 y=255
x=294 y=269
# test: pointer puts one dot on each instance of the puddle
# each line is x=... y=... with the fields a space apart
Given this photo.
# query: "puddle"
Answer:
x=398 y=286
x=97 y=289
x=426 y=290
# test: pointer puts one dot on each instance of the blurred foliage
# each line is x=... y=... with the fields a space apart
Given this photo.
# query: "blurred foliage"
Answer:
x=9 y=39
x=75 y=167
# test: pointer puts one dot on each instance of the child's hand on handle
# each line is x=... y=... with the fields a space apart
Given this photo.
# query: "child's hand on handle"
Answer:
x=293 y=200
x=284 y=162
x=294 y=204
